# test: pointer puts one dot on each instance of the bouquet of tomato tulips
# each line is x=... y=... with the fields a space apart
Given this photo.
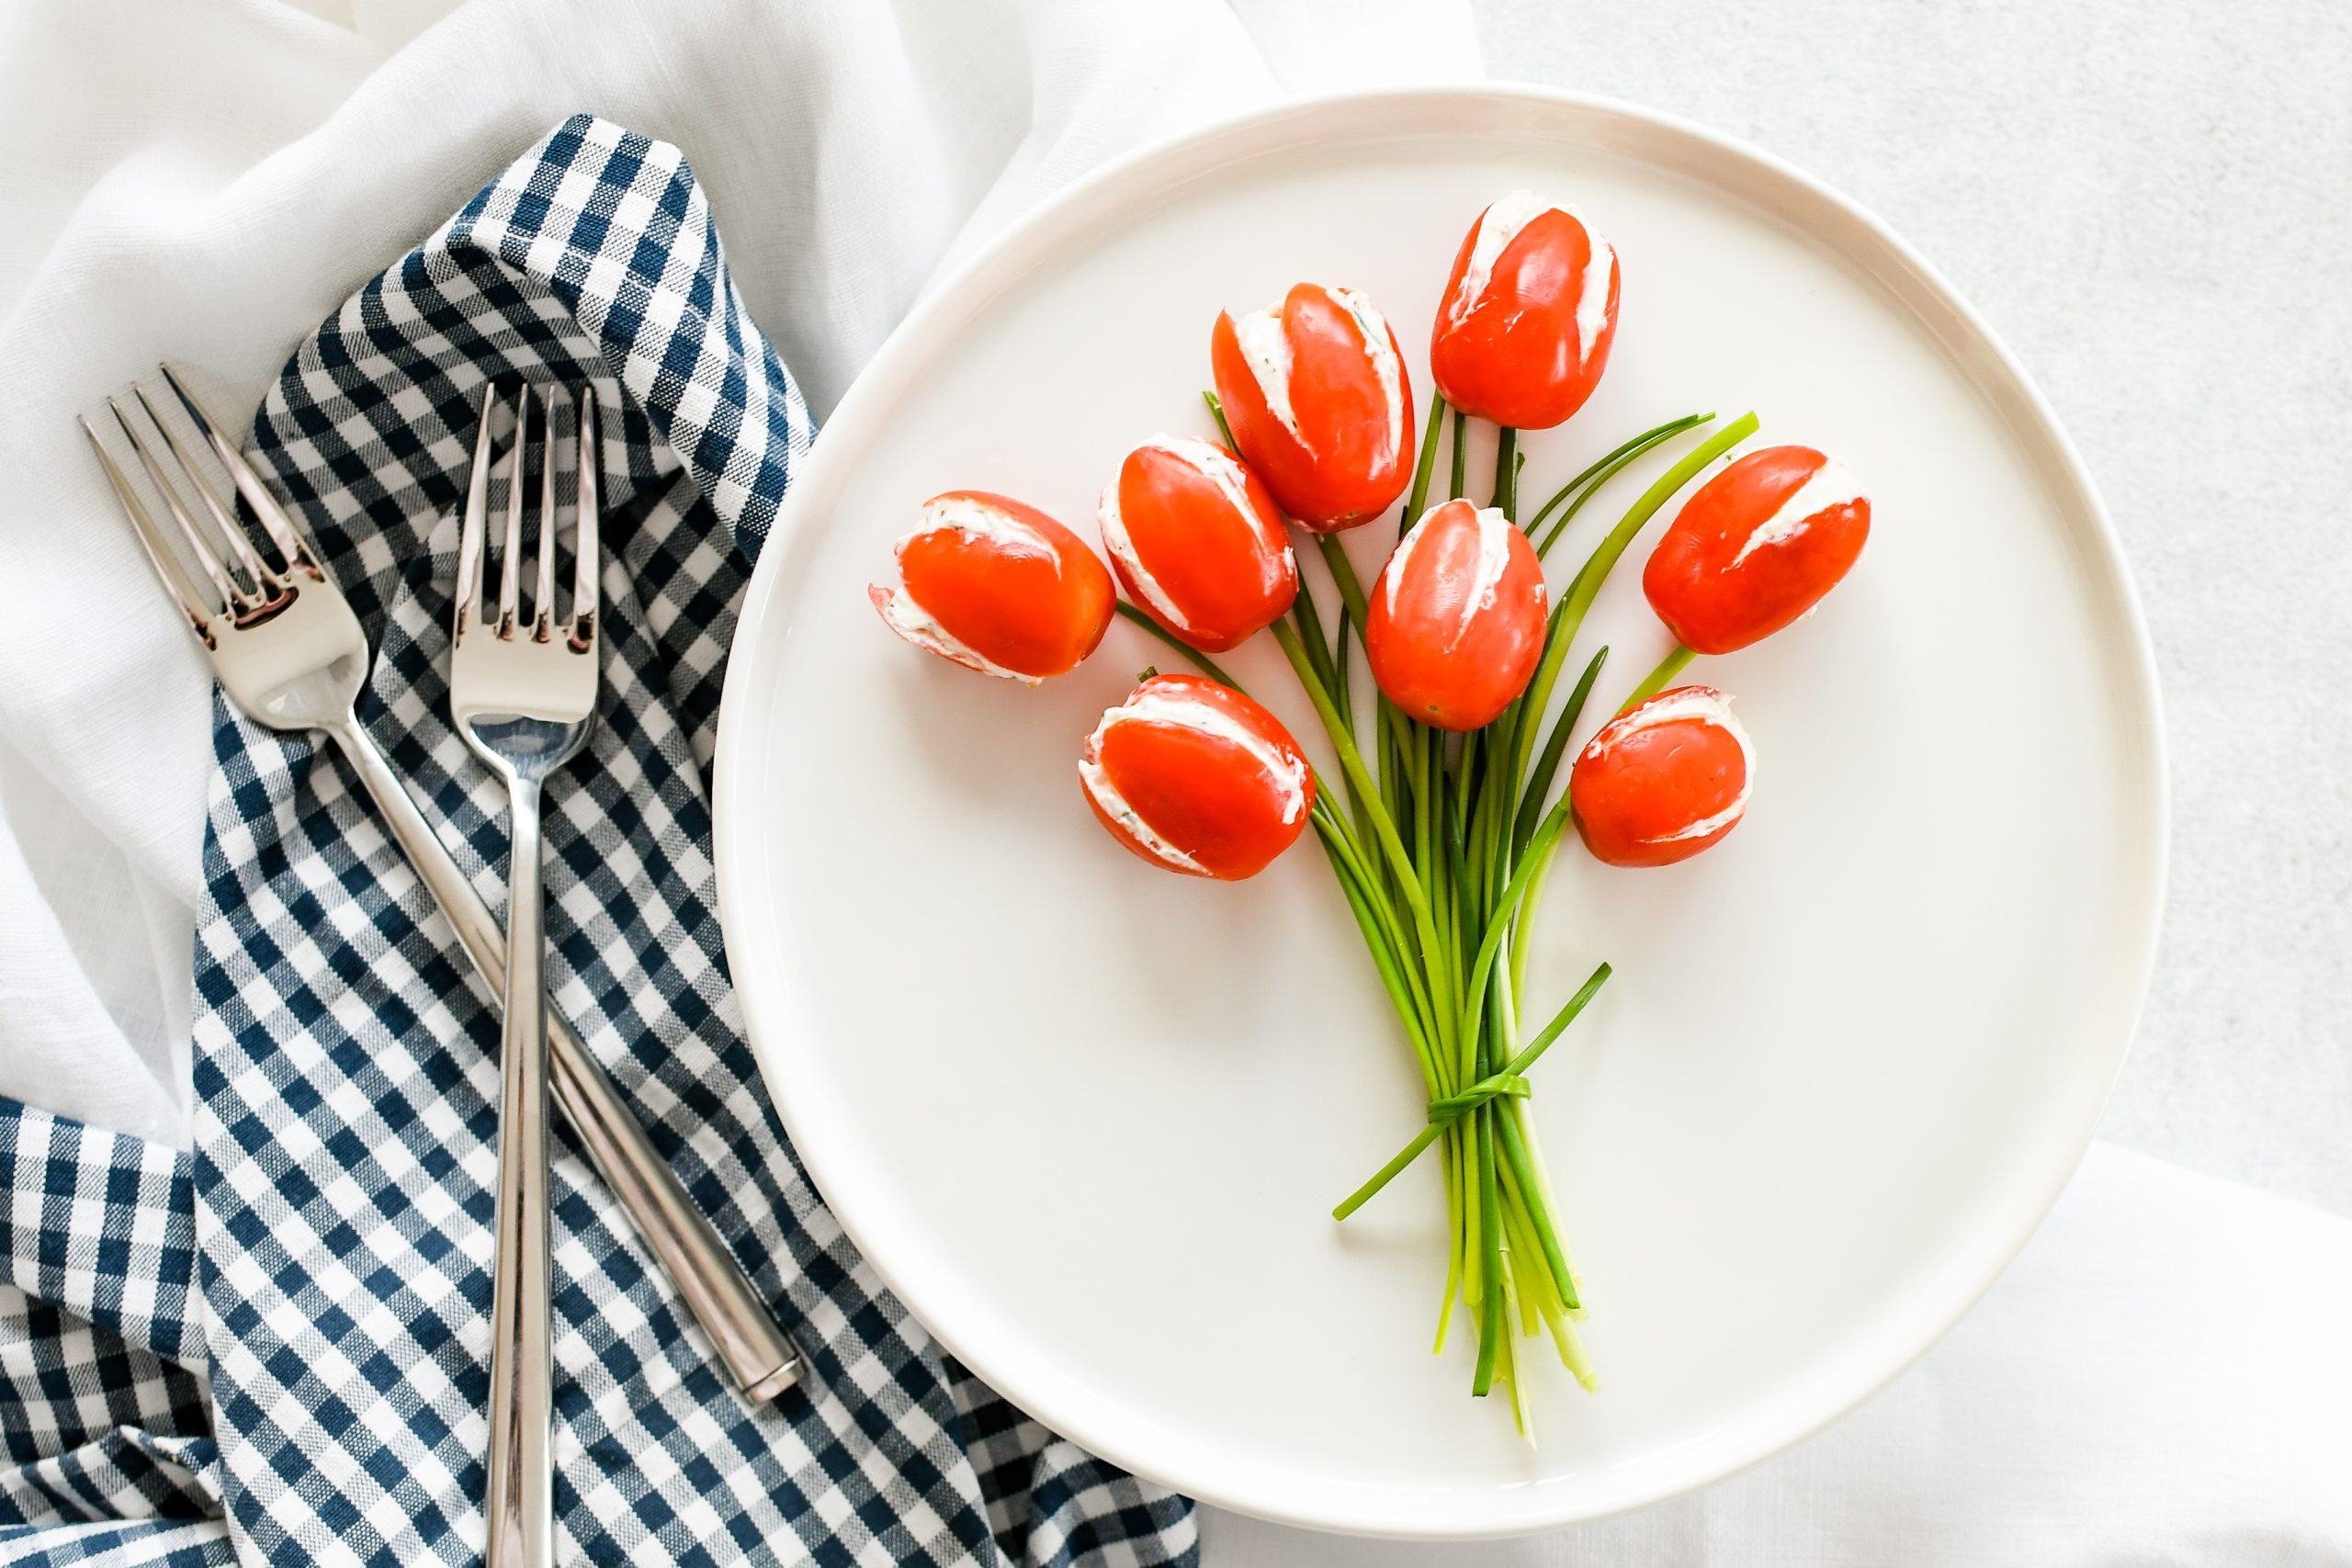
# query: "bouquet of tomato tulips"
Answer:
x=1444 y=823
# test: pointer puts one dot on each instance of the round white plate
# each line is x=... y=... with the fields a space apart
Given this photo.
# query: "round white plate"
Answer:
x=1089 y=1118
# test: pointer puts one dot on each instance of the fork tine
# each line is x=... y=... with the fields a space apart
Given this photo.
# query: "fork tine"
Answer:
x=588 y=508
x=509 y=579
x=232 y=596
x=293 y=550
x=467 y=596
x=543 y=597
x=168 y=571
x=265 y=581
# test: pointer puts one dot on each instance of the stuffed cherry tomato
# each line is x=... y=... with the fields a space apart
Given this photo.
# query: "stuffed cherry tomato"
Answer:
x=1195 y=539
x=1663 y=782
x=1315 y=390
x=1195 y=777
x=998 y=587
x=1755 y=548
x=1529 y=313
x=1455 y=626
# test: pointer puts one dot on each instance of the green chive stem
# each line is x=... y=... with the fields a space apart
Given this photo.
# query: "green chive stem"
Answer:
x=1198 y=659
x=1601 y=472
x=1425 y=467
x=1657 y=680
x=1217 y=413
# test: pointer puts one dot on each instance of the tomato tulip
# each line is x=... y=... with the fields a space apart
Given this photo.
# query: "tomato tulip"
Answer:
x=1195 y=777
x=1757 y=547
x=1529 y=313
x=1663 y=781
x=998 y=587
x=1195 y=539
x=1315 y=390
x=1456 y=626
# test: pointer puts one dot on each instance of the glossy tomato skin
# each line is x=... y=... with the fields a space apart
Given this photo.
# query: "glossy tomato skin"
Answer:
x=1329 y=357
x=1757 y=547
x=1195 y=777
x=1524 y=330
x=997 y=586
x=1196 y=540
x=1455 y=626
x=1662 y=782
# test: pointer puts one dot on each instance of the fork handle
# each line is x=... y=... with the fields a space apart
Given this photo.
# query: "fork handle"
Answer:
x=521 y=1505
x=751 y=1342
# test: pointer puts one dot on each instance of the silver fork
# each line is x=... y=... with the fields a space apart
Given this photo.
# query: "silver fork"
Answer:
x=288 y=649
x=524 y=695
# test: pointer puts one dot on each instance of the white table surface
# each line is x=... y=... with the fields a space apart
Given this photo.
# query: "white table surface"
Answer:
x=2150 y=203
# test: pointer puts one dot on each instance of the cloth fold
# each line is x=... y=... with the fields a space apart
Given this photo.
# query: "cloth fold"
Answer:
x=104 y=1418
x=2156 y=1381
x=205 y=182
x=341 y=1183
x=2159 y=1379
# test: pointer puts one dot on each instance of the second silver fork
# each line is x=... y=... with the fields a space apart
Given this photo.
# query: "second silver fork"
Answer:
x=523 y=693
x=289 y=652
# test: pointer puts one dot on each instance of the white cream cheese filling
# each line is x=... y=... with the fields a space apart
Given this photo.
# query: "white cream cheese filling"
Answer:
x=1211 y=463
x=1123 y=549
x=915 y=624
x=1265 y=344
x=1592 y=301
x=1379 y=347
x=1499 y=226
x=1493 y=559
x=1289 y=773
x=976 y=518
x=1215 y=465
x=979 y=519
x=1832 y=484
x=1115 y=805
x=1703 y=703
x=1152 y=707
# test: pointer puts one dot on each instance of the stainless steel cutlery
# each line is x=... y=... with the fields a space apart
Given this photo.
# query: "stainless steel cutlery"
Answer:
x=523 y=694
x=290 y=653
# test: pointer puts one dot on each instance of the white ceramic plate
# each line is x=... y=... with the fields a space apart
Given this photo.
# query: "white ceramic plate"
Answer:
x=1088 y=1119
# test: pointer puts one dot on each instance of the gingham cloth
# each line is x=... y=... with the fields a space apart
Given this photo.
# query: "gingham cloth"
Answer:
x=278 y=1351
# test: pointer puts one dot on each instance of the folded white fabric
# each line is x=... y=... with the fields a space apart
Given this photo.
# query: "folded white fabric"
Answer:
x=204 y=183
x=2161 y=1378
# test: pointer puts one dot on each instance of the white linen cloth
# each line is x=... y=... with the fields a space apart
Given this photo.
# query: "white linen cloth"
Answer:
x=2162 y=1379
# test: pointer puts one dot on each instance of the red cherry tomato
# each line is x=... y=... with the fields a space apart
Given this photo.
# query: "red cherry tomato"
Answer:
x=1196 y=541
x=1661 y=783
x=1755 y=548
x=1316 y=392
x=1456 y=626
x=998 y=587
x=1530 y=312
x=1195 y=777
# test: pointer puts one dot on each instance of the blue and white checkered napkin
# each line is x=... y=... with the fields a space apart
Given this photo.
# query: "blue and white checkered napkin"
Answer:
x=320 y=1267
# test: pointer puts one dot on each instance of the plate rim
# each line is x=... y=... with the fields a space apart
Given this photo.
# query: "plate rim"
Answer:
x=998 y=263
